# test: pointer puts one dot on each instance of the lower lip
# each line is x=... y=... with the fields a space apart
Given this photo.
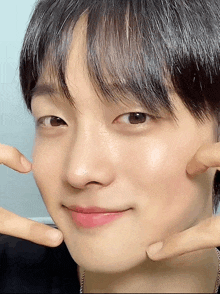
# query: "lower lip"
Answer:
x=91 y=220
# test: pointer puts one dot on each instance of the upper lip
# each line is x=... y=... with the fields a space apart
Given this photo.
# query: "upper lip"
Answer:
x=94 y=209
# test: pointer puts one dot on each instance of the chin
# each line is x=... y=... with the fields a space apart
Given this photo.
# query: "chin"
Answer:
x=116 y=261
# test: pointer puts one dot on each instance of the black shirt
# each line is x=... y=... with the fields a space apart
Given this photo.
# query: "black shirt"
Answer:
x=26 y=267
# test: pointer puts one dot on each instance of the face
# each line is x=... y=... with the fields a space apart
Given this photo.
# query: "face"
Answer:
x=94 y=155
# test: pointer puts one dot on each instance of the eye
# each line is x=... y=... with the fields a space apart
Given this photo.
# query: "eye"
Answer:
x=134 y=118
x=50 y=121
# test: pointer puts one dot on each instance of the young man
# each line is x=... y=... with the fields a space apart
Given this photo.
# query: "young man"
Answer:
x=125 y=98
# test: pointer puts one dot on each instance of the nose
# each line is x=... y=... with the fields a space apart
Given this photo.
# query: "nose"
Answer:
x=89 y=160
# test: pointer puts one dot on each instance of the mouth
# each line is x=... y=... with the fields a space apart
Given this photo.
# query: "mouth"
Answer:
x=94 y=209
x=92 y=217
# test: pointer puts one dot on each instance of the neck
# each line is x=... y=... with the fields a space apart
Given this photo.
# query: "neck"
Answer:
x=191 y=272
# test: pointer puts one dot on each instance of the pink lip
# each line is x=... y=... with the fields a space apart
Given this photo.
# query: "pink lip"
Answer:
x=94 y=216
x=91 y=220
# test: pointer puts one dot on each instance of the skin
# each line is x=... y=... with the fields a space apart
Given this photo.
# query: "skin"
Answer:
x=97 y=158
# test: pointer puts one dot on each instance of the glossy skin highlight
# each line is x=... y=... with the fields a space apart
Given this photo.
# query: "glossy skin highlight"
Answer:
x=96 y=158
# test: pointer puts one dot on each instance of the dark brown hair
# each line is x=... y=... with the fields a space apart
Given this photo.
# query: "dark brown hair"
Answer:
x=135 y=47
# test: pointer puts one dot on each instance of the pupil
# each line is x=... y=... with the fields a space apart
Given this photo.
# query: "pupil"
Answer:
x=136 y=118
x=55 y=121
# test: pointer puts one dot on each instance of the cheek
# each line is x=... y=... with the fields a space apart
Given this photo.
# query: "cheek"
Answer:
x=46 y=167
x=155 y=162
x=165 y=194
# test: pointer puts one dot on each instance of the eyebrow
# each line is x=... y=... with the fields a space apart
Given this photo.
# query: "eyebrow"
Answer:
x=49 y=90
x=44 y=89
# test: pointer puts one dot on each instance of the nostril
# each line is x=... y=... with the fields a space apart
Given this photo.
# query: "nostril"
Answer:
x=93 y=182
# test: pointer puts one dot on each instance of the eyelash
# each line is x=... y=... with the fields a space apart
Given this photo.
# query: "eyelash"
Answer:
x=41 y=121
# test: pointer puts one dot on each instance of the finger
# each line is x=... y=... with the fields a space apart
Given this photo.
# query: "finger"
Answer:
x=20 y=227
x=204 y=235
x=12 y=158
x=206 y=156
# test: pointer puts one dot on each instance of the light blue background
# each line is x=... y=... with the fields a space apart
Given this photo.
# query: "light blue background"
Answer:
x=18 y=192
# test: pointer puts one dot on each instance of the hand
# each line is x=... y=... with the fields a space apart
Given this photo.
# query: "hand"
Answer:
x=17 y=226
x=204 y=235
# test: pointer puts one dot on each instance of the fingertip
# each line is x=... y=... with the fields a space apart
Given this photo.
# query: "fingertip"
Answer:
x=55 y=237
x=195 y=168
x=154 y=250
x=26 y=171
x=26 y=164
x=190 y=169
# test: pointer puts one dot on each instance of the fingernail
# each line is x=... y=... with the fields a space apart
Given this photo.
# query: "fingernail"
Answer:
x=155 y=248
x=26 y=164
